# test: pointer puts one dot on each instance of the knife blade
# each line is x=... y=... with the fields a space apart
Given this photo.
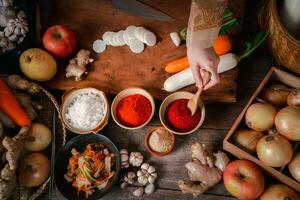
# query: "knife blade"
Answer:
x=141 y=9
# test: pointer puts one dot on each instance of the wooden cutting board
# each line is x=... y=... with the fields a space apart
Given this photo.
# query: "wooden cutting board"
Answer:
x=118 y=68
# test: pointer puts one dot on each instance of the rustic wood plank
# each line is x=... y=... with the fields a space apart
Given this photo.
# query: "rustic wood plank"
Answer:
x=118 y=68
x=162 y=194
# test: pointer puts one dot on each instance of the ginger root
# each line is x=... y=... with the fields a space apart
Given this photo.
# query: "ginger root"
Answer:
x=18 y=83
x=205 y=168
x=14 y=147
x=27 y=104
x=77 y=65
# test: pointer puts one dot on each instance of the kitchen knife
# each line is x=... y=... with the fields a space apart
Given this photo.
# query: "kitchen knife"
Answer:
x=141 y=9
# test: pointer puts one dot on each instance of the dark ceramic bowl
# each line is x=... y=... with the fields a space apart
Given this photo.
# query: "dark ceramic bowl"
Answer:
x=80 y=142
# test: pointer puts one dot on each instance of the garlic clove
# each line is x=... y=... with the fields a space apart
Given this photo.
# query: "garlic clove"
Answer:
x=151 y=169
x=151 y=179
x=138 y=192
x=149 y=189
x=145 y=166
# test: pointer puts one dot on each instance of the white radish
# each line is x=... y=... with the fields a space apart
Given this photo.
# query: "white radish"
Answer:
x=106 y=36
x=99 y=46
x=130 y=31
x=120 y=38
x=185 y=77
x=149 y=38
x=139 y=33
x=136 y=46
x=126 y=39
x=175 y=38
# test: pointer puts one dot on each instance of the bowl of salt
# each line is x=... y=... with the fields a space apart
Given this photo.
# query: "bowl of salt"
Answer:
x=84 y=110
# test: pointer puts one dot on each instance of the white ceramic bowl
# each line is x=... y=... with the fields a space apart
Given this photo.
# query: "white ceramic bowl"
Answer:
x=125 y=93
x=67 y=99
x=172 y=97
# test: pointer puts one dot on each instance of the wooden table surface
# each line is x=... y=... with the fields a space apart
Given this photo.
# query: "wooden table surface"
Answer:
x=219 y=119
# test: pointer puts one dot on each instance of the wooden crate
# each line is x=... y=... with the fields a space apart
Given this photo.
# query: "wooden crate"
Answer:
x=275 y=75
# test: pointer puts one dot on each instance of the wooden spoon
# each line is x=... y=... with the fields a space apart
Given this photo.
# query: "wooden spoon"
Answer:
x=193 y=102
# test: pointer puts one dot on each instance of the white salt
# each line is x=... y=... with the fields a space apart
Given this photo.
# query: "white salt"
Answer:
x=85 y=111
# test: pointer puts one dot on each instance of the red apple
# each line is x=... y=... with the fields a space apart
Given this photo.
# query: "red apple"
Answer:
x=244 y=180
x=60 y=41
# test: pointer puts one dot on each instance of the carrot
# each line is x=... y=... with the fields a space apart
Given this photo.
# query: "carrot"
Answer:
x=222 y=45
x=177 y=65
x=11 y=107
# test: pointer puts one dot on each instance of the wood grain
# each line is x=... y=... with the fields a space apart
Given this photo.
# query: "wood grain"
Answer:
x=118 y=68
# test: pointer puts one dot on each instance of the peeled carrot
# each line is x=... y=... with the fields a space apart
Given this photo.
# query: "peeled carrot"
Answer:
x=222 y=45
x=11 y=107
x=177 y=65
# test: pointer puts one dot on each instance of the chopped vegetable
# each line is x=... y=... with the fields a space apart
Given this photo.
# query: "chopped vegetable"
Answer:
x=222 y=45
x=185 y=77
x=254 y=44
x=175 y=38
x=91 y=169
x=177 y=65
x=10 y=106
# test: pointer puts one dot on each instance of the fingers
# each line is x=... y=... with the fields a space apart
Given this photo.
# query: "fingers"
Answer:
x=215 y=79
x=197 y=76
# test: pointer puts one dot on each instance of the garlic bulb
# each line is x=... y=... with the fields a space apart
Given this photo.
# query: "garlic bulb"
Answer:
x=136 y=159
x=6 y=13
x=15 y=29
x=6 y=3
x=128 y=179
x=124 y=158
x=147 y=174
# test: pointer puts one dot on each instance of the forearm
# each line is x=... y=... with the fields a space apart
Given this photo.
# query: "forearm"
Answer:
x=205 y=21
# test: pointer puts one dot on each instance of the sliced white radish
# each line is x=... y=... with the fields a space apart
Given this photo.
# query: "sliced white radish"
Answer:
x=136 y=46
x=130 y=31
x=114 y=41
x=99 y=46
x=149 y=38
x=106 y=36
x=175 y=38
x=126 y=39
x=139 y=32
x=120 y=38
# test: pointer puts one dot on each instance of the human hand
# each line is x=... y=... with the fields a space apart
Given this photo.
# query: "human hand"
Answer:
x=204 y=59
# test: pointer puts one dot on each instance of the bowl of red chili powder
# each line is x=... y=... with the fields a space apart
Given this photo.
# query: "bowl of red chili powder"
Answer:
x=133 y=108
x=176 y=116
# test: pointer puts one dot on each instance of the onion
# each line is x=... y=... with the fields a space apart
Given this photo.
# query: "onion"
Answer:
x=279 y=192
x=287 y=122
x=260 y=116
x=274 y=150
x=276 y=94
x=247 y=139
x=294 y=97
x=294 y=166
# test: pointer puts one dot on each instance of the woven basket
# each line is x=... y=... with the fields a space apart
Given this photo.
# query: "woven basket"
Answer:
x=45 y=116
x=284 y=47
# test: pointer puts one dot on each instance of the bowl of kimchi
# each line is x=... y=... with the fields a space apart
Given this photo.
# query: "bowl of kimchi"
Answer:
x=87 y=167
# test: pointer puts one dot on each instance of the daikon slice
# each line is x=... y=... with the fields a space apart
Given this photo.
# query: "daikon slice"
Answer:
x=120 y=38
x=99 y=46
x=149 y=38
x=106 y=37
x=130 y=31
x=114 y=41
x=139 y=33
x=136 y=46
x=125 y=37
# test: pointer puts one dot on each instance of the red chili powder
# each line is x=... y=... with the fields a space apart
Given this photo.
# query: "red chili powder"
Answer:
x=179 y=117
x=134 y=110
